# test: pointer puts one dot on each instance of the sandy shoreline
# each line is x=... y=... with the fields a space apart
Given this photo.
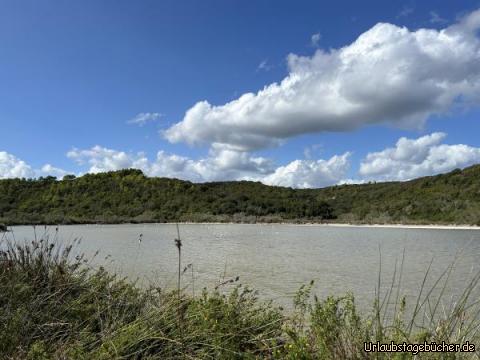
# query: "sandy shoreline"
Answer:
x=391 y=226
x=403 y=226
x=399 y=226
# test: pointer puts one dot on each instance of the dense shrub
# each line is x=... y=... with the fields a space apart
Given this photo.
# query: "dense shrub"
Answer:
x=129 y=196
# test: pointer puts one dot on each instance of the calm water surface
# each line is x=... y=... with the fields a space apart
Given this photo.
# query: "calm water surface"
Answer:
x=278 y=259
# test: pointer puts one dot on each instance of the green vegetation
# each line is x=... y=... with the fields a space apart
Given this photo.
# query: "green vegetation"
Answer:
x=129 y=196
x=52 y=306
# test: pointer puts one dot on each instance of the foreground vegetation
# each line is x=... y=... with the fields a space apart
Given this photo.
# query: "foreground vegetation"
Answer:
x=129 y=196
x=52 y=306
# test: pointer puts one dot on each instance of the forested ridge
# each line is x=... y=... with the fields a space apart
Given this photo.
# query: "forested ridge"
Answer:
x=130 y=196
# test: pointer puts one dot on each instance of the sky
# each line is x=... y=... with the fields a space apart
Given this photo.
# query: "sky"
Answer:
x=293 y=93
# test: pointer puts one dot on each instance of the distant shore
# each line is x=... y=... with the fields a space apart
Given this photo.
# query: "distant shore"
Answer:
x=346 y=225
x=400 y=226
x=407 y=226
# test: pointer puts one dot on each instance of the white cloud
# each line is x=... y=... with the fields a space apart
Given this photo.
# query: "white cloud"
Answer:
x=220 y=164
x=315 y=39
x=310 y=173
x=144 y=118
x=264 y=65
x=49 y=170
x=309 y=151
x=412 y=158
x=102 y=159
x=13 y=167
x=435 y=18
x=406 y=11
x=388 y=75
x=352 y=182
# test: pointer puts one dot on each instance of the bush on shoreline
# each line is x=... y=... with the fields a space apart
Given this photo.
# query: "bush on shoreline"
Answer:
x=53 y=306
x=129 y=196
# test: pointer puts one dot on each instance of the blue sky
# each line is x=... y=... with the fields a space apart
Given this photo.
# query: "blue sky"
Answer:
x=93 y=86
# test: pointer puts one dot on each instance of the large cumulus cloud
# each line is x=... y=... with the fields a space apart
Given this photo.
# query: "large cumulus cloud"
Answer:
x=389 y=74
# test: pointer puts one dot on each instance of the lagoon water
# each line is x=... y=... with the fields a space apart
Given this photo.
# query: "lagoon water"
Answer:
x=277 y=259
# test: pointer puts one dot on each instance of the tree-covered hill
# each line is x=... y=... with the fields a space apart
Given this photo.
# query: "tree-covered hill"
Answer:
x=129 y=196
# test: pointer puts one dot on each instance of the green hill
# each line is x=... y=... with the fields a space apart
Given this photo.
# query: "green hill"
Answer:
x=129 y=196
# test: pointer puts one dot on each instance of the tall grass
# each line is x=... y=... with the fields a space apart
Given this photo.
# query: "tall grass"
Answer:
x=53 y=305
